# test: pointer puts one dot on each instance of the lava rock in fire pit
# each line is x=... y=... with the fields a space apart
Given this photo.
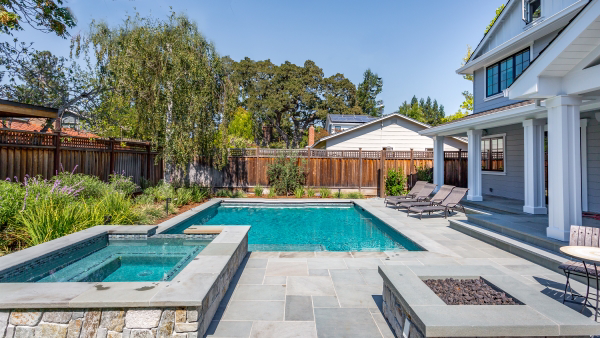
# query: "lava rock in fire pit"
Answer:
x=468 y=292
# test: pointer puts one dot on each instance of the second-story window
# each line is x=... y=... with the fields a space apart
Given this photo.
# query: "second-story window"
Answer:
x=532 y=10
x=502 y=74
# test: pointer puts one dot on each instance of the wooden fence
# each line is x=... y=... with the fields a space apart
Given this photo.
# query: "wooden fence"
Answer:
x=29 y=153
x=344 y=169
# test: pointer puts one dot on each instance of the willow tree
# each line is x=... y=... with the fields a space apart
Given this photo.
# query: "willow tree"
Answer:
x=167 y=84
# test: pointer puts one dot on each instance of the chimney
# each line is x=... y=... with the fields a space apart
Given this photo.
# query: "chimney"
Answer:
x=311 y=135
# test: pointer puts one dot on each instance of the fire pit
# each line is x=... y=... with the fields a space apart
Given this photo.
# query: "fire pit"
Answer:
x=469 y=292
x=463 y=301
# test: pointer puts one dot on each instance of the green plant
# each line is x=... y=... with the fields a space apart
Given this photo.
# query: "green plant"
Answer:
x=395 y=182
x=299 y=192
x=11 y=201
x=310 y=192
x=285 y=176
x=225 y=193
x=425 y=174
x=258 y=190
x=272 y=193
x=238 y=194
x=122 y=183
x=183 y=196
x=355 y=195
x=89 y=186
x=199 y=193
x=324 y=192
x=338 y=194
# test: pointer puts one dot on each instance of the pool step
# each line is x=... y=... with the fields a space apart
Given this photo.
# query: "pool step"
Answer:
x=203 y=229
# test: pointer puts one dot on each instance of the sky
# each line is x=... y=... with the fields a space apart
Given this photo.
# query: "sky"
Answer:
x=414 y=46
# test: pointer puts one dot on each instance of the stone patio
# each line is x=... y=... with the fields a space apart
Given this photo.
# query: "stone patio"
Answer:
x=339 y=294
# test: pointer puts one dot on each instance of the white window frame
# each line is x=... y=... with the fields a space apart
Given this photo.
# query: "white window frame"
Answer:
x=502 y=173
x=531 y=23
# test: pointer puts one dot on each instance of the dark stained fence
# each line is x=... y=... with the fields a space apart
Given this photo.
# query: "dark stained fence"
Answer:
x=28 y=153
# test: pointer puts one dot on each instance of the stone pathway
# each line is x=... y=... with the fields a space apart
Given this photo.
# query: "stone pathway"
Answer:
x=338 y=294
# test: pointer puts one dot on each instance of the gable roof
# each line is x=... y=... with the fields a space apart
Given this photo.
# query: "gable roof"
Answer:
x=490 y=31
x=373 y=121
x=340 y=118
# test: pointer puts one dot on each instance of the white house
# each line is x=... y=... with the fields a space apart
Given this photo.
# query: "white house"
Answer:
x=536 y=80
x=336 y=123
x=394 y=131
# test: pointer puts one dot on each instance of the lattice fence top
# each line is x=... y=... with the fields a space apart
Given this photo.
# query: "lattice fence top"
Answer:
x=322 y=153
x=14 y=137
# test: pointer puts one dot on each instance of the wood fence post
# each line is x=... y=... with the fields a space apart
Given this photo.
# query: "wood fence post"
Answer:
x=111 y=147
x=381 y=176
x=309 y=174
x=459 y=167
x=57 y=144
x=257 y=171
x=148 y=161
x=360 y=161
x=411 y=167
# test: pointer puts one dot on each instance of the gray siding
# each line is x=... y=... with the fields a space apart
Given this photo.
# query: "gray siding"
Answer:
x=593 y=157
x=479 y=104
x=511 y=184
x=541 y=43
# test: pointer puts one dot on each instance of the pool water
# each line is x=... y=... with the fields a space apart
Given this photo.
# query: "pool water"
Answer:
x=148 y=260
x=305 y=228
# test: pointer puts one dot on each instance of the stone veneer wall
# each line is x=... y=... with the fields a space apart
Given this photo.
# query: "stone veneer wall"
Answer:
x=154 y=322
x=397 y=316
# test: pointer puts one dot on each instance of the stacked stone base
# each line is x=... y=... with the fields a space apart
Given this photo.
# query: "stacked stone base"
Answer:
x=397 y=316
x=102 y=323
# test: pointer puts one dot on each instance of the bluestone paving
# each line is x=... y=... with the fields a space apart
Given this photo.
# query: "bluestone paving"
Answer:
x=318 y=272
x=325 y=301
x=284 y=329
x=271 y=280
x=347 y=277
x=299 y=308
x=371 y=277
x=232 y=329
x=310 y=286
x=346 y=323
x=259 y=292
x=256 y=263
x=252 y=276
x=327 y=263
x=254 y=310
x=287 y=269
x=358 y=296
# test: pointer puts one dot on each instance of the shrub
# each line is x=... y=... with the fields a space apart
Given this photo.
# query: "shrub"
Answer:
x=324 y=192
x=395 y=182
x=11 y=202
x=299 y=192
x=122 y=183
x=183 y=196
x=355 y=195
x=88 y=186
x=258 y=190
x=310 y=192
x=224 y=193
x=285 y=175
x=338 y=194
x=272 y=193
x=238 y=194
x=425 y=174
x=199 y=193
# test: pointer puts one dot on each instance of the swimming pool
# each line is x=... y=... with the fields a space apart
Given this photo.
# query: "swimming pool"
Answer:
x=147 y=260
x=304 y=227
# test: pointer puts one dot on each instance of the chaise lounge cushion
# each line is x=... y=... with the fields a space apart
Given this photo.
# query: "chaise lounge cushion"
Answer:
x=578 y=267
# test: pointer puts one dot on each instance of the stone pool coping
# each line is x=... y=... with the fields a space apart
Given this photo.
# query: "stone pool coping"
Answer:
x=426 y=243
x=189 y=288
x=407 y=296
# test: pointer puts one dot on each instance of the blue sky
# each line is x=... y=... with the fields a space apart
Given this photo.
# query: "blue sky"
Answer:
x=415 y=46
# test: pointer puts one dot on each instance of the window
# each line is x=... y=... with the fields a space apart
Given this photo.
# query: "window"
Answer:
x=502 y=74
x=532 y=10
x=492 y=153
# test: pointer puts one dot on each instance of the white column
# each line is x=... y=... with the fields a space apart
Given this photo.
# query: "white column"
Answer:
x=438 y=161
x=584 y=168
x=535 y=185
x=564 y=166
x=474 y=177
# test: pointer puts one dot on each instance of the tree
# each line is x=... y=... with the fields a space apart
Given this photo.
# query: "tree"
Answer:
x=467 y=104
x=422 y=110
x=40 y=78
x=366 y=95
x=168 y=85
x=289 y=97
x=44 y=15
x=241 y=129
x=498 y=12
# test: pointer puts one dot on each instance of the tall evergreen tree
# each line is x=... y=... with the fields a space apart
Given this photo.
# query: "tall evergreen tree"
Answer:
x=366 y=95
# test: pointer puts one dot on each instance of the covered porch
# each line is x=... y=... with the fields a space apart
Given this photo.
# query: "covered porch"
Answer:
x=556 y=110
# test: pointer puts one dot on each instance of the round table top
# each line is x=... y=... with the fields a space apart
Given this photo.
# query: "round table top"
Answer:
x=584 y=253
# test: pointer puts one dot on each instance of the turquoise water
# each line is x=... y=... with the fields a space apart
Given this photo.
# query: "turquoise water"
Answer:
x=128 y=261
x=308 y=228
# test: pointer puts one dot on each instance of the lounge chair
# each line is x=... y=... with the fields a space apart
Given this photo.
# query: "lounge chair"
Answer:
x=438 y=198
x=411 y=194
x=423 y=195
x=449 y=203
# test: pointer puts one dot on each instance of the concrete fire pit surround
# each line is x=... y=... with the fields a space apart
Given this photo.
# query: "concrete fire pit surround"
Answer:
x=184 y=305
x=406 y=298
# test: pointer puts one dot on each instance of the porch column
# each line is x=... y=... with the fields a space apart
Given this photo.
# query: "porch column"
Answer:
x=564 y=166
x=438 y=161
x=474 y=165
x=535 y=197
